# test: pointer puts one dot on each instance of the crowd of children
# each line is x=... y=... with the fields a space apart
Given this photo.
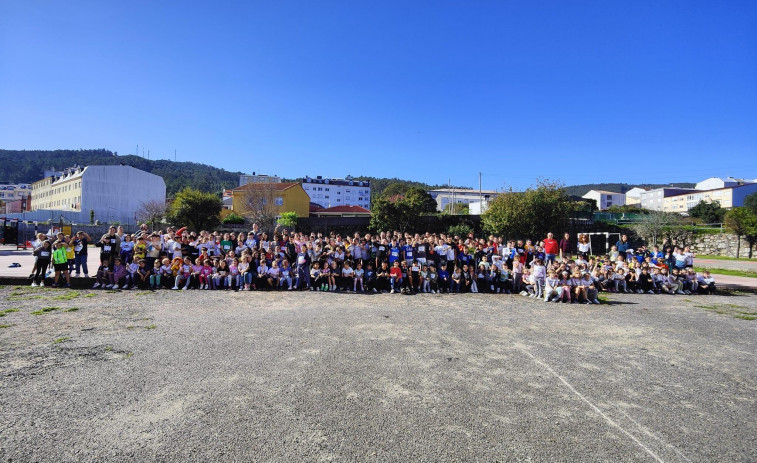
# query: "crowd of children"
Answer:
x=386 y=262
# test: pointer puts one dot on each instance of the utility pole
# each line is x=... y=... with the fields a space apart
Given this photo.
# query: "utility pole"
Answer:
x=480 y=196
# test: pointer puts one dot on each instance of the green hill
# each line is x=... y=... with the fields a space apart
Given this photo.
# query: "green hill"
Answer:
x=27 y=166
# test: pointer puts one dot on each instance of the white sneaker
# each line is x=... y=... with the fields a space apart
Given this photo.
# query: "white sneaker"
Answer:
x=34 y=283
x=595 y=301
x=42 y=283
x=108 y=286
x=184 y=288
x=96 y=285
x=375 y=290
x=687 y=292
x=77 y=275
x=650 y=292
x=680 y=292
x=86 y=276
x=116 y=286
x=392 y=291
x=175 y=287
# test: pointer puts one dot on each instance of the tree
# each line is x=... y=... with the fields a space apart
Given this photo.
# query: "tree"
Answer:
x=195 y=209
x=659 y=224
x=531 y=213
x=288 y=220
x=709 y=212
x=152 y=212
x=233 y=219
x=259 y=204
x=750 y=202
x=457 y=209
x=743 y=222
x=401 y=213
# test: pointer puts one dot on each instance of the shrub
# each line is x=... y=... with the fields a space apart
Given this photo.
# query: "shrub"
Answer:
x=233 y=219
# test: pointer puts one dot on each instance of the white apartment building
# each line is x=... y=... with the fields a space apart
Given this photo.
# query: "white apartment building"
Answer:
x=115 y=193
x=258 y=178
x=331 y=192
x=606 y=199
x=445 y=196
x=654 y=200
x=14 y=191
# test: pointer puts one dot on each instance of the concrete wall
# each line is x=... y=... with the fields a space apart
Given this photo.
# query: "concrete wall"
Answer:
x=116 y=193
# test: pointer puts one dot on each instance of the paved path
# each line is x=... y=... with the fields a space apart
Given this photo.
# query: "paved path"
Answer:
x=729 y=264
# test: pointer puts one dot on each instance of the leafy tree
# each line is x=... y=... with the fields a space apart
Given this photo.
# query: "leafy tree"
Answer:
x=288 y=220
x=259 y=204
x=195 y=209
x=709 y=212
x=461 y=229
x=743 y=222
x=750 y=202
x=395 y=189
x=403 y=212
x=457 y=209
x=531 y=213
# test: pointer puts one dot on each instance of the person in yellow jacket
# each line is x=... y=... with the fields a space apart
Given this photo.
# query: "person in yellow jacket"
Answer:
x=60 y=263
x=70 y=253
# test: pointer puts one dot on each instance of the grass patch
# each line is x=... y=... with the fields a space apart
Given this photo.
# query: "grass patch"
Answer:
x=151 y=327
x=732 y=310
x=89 y=295
x=741 y=259
x=728 y=271
x=602 y=297
x=67 y=296
x=131 y=327
x=7 y=311
x=108 y=349
x=129 y=355
x=60 y=340
x=72 y=309
x=5 y=326
x=45 y=310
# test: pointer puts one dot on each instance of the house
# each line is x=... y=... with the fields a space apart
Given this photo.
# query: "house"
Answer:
x=716 y=183
x=606 y=199
x=258 y=178
x=445 y=196
x=633 y=196
x=286 y=196
x=728 y=198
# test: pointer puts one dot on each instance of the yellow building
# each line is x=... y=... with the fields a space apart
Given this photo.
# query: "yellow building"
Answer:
x=727 y=197
x=287 y=197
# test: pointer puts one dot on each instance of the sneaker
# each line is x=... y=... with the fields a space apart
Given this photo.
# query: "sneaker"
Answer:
x=650 y=292
x=680 y=292
x=116 y=286
x=175 y=287
x=86 y=276
x=687 y=292
x=375 y=290
x=596 y=301
x=67 y=285
x=34 y=283
x=392 y=291
x=109 y=286
x=31 y=275
x=55 y=285
x=96 y=285
x=77 y=275
x=184 y=288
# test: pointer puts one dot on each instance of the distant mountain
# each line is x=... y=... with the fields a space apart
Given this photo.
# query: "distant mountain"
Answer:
x=27 y=166
x=580 y=190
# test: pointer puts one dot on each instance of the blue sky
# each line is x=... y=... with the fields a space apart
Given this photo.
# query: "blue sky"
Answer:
x=583 y=92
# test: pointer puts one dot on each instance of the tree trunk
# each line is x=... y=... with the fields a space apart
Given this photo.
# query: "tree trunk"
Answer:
x=738 y=245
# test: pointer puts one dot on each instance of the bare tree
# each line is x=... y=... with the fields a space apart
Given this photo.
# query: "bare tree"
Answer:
x=661 y=225
x=259 y=204
x=152 y=212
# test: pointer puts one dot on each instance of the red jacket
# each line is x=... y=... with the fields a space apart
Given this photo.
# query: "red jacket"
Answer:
x=550 y=246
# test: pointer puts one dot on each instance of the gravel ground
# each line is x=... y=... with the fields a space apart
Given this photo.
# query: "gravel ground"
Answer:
x=219 y=376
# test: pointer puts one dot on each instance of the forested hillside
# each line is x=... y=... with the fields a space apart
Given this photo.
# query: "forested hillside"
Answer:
x=27 y=166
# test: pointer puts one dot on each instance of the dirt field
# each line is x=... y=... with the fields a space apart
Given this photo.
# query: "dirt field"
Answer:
x=219 y=376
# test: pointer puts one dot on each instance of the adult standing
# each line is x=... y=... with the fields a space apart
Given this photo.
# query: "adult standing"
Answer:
x=565 y=246
x=80 y=249
x=623 y=246
x=551 y=248
x=584 y=245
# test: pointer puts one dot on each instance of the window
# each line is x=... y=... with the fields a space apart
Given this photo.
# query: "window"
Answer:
x=327 y=189
x=279 y=201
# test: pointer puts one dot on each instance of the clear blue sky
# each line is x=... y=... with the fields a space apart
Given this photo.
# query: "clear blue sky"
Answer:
x=601 y=91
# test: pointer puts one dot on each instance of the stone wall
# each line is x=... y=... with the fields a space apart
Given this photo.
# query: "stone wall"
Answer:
x=721 y=244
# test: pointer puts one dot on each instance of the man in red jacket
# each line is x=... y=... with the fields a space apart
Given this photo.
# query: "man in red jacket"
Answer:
x=550 y=248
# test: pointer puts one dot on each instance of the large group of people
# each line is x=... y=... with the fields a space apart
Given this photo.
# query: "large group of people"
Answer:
x=393 y=262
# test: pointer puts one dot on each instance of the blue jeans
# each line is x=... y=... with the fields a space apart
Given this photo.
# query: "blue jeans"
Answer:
x=80 y=261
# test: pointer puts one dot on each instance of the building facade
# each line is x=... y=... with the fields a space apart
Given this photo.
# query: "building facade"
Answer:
x=633 y=196
x=717 y=183
x=727 y=198
x=114 y=193
x=287 y=197
x=331 y=192
x=446 y=196
x=606 y=199
x=258 y=178
x=654 y=199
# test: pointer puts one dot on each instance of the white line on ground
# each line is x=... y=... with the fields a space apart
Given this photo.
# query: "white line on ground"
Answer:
x=652 y=435
x=589 y=403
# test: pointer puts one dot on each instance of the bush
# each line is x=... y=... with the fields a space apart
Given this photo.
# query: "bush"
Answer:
x=461 y=229
x=233 y=219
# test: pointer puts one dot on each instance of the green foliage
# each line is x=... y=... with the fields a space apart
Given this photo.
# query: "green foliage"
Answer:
x=288 y=219
x=195 y=209
x=743 y=222
x=750 y=202
x=625 y=209
x=21 y=166
x=401 y=214
x=233 y=218
x=461 y=229
x=709 y=212
x=531 y=213
x=457 y=209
